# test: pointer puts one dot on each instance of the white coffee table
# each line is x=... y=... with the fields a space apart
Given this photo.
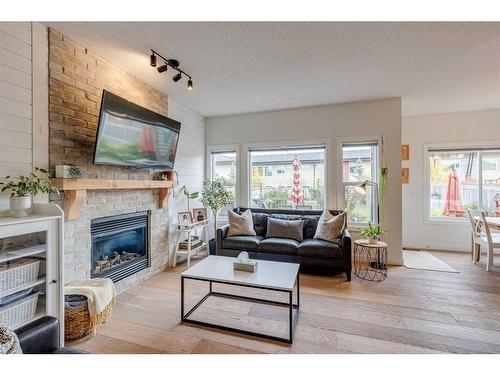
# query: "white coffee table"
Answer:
x=275 y=276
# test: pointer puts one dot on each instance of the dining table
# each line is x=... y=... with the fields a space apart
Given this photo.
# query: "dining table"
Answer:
x=493 y=221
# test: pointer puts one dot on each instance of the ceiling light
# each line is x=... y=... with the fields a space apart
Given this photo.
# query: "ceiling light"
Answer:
x=162 y=68
x=152 y=60
x=190 y=84
x=177 y=77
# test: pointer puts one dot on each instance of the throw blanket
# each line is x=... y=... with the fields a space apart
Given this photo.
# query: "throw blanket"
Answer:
x=101 y=298
x=9 y=343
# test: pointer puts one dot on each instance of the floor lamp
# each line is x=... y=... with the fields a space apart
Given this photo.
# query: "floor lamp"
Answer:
x=361 y=189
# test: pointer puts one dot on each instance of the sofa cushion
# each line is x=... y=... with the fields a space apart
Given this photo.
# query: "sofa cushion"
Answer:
x=240 y=225
x=279 y=228
x=320 y=248
x=310 y=225
x=279 y=246
x=246 y=243
x=330 y=227
x=260 y=223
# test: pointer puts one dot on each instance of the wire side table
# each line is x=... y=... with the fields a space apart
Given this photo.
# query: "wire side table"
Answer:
x=370 y=260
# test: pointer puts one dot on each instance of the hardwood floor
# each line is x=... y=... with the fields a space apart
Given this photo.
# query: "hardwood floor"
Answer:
x=413 y=311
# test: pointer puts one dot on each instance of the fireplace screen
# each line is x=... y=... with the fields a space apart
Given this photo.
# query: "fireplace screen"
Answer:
x=120 y=245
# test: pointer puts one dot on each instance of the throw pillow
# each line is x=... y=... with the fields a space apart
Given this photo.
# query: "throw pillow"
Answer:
x=9 y=343
x=330 y=227
x=291 y=229
x=240 y=225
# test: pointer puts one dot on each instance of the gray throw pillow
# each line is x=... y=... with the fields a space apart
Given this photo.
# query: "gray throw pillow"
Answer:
x=291 y=229
x=330 y=227
x=240 y=225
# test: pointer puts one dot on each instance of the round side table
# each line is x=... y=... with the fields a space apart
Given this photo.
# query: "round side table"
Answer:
x=370 y=260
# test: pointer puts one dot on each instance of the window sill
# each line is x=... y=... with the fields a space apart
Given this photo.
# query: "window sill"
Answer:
x=459 y=222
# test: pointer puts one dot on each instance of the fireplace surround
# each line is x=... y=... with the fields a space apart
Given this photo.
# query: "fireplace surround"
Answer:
x=120 y=245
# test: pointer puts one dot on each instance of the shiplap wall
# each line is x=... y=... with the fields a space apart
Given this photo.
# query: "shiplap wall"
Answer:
x=16 y=153
x=23 y=120
x=189 y=162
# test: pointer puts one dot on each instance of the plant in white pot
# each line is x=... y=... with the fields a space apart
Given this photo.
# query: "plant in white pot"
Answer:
x=373 y=232
x=23 y=188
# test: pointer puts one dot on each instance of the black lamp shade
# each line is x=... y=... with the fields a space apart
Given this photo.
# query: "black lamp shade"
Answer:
x=162 y=68
x=190 y=84
x=177 y=77
x=152 y=60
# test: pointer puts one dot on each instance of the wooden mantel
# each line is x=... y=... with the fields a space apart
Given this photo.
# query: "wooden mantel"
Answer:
x=75 y=191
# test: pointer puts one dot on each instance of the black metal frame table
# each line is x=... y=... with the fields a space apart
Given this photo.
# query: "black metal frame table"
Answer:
x=370 y=260
x=244 y=282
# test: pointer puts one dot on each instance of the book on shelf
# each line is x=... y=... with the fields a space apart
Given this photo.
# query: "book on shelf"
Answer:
x=194 y=244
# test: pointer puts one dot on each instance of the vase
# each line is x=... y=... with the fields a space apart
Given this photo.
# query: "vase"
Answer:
x=20 y=205
x=372 y=241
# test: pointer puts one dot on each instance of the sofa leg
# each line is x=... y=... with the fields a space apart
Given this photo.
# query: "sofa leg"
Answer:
x=348 y=275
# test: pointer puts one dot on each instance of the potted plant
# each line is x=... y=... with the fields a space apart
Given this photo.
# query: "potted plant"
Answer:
x=373 y=232
x=23 y=188
x=189 y=195
x=68 y=171
x=215 y=195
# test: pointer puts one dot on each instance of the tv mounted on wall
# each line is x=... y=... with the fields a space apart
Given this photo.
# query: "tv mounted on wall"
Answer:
x=132 y=136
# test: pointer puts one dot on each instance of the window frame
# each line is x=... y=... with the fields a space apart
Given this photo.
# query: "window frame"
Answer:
x=430 y=147
x=288 y=145
x=346 y=141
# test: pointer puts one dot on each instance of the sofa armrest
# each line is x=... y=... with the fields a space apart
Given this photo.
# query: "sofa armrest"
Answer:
x=347 y=247
x=40 y=336
x=221 y=235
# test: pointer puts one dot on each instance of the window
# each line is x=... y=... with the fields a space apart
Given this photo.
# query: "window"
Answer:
x=360 y=164
x=276 y=190
x=461 y=179
x=223 y=165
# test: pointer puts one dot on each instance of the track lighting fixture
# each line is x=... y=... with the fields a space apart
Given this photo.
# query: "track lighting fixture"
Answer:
x=162 y=68
x=173 y=64
x=177 y=77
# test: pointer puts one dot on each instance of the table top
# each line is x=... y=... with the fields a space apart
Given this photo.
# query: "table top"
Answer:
x=276 y=275
x=495 y=220
x=365 y=243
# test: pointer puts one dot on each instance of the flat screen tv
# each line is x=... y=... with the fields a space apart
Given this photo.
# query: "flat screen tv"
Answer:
x=133 y=136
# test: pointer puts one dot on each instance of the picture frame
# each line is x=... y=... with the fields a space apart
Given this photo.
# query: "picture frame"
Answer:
x=405 y=152
x=185 y=218
x=199 y=214
x=405 y=175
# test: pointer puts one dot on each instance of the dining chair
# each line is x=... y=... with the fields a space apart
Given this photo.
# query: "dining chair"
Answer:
x=475 y=235
x=490 y=240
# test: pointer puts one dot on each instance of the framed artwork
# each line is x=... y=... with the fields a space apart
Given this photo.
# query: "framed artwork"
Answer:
x=185 y=218
x=405 y=175
x=200 y=214
x=405 y=152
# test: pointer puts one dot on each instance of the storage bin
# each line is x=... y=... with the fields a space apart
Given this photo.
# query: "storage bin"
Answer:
x=76 y=317
x=17 y=273
x=18 y=312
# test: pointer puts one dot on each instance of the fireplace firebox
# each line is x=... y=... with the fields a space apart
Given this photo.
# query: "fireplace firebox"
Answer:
x=120 y=245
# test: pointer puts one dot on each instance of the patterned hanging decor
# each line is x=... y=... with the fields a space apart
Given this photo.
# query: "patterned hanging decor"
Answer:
x=297 y=194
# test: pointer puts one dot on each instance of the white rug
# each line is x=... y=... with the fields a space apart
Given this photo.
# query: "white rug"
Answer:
x=422 y=260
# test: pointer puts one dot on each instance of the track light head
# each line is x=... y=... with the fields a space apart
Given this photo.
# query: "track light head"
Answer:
x=162 y=68
x=177 y=77
x=152 y=60
x=190 y=84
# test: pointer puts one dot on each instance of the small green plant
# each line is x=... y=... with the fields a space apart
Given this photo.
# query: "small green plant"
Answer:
x=189 y=195
x=215 y=195
x=74 y=171
x=374 y=231
x=32 y=184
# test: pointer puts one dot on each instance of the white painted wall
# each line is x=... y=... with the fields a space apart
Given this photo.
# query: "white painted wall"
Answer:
x=189 y=162
x=461 y=127
x=23 y=99
x=328 y=124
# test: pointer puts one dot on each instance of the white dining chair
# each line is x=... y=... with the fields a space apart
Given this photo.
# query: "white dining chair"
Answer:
x=491 y=240
x=476 y=240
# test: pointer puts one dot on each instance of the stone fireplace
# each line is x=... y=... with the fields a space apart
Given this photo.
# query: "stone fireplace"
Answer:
x=77 y=77
x=120 y=245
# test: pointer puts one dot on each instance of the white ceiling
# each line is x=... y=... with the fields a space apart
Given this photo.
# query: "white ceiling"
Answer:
x=250 y=66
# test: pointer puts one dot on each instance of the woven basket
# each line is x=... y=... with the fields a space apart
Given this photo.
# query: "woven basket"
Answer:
x=76 y=317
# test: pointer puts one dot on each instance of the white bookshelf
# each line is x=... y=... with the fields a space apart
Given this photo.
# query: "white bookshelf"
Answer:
x=47 y=221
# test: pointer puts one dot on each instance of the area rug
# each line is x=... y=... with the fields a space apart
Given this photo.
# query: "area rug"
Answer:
x=422 y=260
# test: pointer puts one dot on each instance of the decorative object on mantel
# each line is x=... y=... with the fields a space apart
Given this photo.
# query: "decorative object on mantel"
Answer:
x=101 y=298
x=244 y=263
x=189 y=195
x=23 y=188
x=405 y=175
x=215 y=195
x=75 y=190
x=405 y=152
x=68 y=171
